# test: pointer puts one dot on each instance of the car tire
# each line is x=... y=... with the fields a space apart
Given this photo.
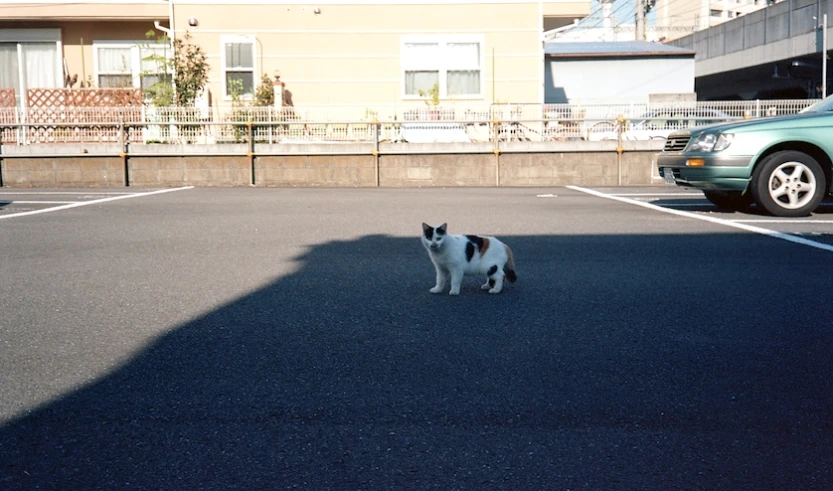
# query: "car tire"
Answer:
x=730 y=200
x=788 y=184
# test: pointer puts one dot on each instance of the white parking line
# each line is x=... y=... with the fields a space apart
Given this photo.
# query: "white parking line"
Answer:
x=657 y=194
x=59 y=193
x=781 y=221
x=749 y=228
x=18 y=202
x=92 y=202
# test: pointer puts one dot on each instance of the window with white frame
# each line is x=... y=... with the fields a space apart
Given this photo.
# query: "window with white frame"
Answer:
x=125 y=64
x=453 y=63
x=238 y=62
x=114 y=66
x=29 y=59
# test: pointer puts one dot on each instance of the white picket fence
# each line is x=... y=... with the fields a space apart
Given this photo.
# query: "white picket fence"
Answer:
x=333 y=124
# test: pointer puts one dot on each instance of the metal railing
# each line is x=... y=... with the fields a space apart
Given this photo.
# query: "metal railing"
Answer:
x=336 y=124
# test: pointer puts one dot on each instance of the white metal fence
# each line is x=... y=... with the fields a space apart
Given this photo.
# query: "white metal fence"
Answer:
x=333 y=124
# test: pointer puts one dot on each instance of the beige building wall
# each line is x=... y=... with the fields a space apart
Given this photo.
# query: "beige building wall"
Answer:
x=682 y=16
x=328 y=53
x=678 y=18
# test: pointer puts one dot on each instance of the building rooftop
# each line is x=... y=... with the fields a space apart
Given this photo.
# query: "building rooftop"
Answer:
x=612 y=48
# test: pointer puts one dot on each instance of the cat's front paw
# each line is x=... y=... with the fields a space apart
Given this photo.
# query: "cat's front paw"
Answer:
x=494 y=290
x=454 y=292
x=436 y=289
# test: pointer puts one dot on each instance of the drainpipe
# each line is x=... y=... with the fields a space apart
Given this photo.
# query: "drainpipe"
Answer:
x=171 y=33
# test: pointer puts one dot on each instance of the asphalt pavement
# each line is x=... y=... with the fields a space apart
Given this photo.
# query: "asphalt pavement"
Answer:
x=252 y=338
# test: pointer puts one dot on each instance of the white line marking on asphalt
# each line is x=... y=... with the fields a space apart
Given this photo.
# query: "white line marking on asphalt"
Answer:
x=782 y=221
x=657 y=194
x=59 y=193
x=749 y=228
x=14 y=201
x=93 y=202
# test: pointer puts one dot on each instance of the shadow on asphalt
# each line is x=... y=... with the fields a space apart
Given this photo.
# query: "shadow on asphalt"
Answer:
x=591 y=372
x=703 y=205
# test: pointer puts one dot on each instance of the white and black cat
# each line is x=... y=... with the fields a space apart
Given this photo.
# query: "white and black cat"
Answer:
x=456 y=255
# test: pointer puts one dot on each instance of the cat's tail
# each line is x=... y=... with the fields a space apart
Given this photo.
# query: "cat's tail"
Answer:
x=509 y=267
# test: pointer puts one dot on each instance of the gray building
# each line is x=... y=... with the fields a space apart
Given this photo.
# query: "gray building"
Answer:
x=773 y=53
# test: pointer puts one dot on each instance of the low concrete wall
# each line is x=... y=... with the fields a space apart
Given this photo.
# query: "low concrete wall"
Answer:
x=559 y=169
x=437 y=170
x=189 y=171
x=332 y=165
x=316 y=171
x=54 y=172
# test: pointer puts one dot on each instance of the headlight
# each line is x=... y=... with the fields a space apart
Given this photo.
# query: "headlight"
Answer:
x=711 y=142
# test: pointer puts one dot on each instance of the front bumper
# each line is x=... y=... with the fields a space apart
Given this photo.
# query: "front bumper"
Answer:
x=720 y=173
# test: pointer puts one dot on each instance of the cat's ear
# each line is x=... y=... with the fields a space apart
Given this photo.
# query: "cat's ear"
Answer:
x=441 y=228
x=425 y=227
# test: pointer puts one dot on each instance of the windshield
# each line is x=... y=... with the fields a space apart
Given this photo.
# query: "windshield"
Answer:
x=821 y=106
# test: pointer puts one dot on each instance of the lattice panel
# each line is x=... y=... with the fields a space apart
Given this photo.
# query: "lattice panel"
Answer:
x=63 y=115
x=59 y=109
x=7 y=98
x=84 y=97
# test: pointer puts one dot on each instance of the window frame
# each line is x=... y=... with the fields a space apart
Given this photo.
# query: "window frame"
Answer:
x=442 y=66
x=135 y=59
x=131 y=45
x=238 y=39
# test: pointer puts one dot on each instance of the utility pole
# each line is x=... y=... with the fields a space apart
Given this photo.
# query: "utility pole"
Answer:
x=642 y=9
x=821 y=45
x=824 y=56
x=640 y=20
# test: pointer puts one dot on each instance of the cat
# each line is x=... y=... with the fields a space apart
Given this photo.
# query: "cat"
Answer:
x=456 y=255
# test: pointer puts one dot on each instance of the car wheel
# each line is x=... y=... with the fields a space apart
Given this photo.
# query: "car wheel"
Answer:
x=730 y=200
x=788 y=184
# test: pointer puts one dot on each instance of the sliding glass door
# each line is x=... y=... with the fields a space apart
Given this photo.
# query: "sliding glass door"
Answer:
x=29 y=59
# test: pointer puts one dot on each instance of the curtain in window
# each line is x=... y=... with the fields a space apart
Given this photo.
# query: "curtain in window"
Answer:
x=153 y=58
x=115 y=67
x=9 y=74
x=152 y=65
x=240 y=55
x=463 y=82
x=114 y=60
x=240 y=68
x=416 y=81
x=463 y=62
x=40 y=60
x=147 y=81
